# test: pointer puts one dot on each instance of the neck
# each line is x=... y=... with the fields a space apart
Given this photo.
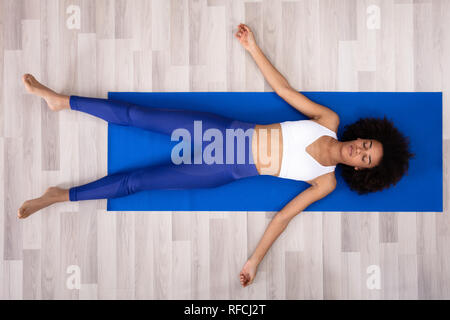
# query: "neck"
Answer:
x=334 y=150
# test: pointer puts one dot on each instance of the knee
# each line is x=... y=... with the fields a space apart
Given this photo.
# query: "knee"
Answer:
x=133 y=183
x=133 y=114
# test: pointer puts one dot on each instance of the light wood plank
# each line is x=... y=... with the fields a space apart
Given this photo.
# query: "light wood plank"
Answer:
x=107 y=240
x=13 y=156
x=351 y=283
x=331 y=231
x=126 y=244
x=220 y=277
x=70 y=256
x=32 y=275
x=162 y=258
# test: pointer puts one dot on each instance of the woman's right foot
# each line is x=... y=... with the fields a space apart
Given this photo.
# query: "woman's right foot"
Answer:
x=54 y=100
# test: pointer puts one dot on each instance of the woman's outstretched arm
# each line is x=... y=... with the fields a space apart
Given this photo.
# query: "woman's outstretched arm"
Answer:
x=279 y=222
x=279 y=83
x=276 y=80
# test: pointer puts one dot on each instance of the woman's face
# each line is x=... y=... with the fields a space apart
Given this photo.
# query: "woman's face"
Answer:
x=362 y=153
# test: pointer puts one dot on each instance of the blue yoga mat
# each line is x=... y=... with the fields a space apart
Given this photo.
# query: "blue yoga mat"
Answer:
x=417 y=114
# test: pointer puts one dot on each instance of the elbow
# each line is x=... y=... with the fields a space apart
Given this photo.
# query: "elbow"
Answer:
x=285 y=84
x=335 y=117
x=282 y=86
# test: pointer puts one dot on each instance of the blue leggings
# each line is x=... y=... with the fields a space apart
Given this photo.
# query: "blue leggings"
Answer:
x=170 y=175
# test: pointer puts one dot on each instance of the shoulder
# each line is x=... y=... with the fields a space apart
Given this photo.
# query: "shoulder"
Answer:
x=330 y=121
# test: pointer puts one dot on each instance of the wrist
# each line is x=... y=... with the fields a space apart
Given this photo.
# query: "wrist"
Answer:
x=253 y=49
x=255 y=260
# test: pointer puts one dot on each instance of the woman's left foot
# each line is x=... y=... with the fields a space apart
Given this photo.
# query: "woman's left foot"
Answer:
x=51 y=196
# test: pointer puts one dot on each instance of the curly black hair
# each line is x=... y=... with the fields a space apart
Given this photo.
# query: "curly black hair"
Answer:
x=394 y=163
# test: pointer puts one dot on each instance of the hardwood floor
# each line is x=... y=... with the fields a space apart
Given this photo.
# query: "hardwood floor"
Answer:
x=189 y=45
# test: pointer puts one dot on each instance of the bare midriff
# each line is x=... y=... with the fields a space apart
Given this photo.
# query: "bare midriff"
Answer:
x=267 y=148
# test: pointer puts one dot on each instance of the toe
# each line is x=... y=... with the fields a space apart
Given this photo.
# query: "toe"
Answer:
x=23 y=212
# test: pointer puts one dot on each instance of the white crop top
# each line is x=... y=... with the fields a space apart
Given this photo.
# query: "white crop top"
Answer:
x=296 y=163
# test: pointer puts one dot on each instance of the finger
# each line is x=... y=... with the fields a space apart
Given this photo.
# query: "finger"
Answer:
x=247 y=28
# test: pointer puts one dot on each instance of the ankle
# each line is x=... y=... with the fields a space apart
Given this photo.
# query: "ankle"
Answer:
x=56 y=194
x=63 y=197
x=65 y=101
x=57 y=102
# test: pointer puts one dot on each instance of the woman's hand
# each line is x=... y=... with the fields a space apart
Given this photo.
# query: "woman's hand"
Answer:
x=248 y=273
x=246 y=38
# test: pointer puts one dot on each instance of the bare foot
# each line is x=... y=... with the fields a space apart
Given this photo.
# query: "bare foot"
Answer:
x=51 y=196
x=54 y=100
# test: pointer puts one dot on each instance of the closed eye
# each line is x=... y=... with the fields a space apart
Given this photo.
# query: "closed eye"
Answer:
x=370 y=158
